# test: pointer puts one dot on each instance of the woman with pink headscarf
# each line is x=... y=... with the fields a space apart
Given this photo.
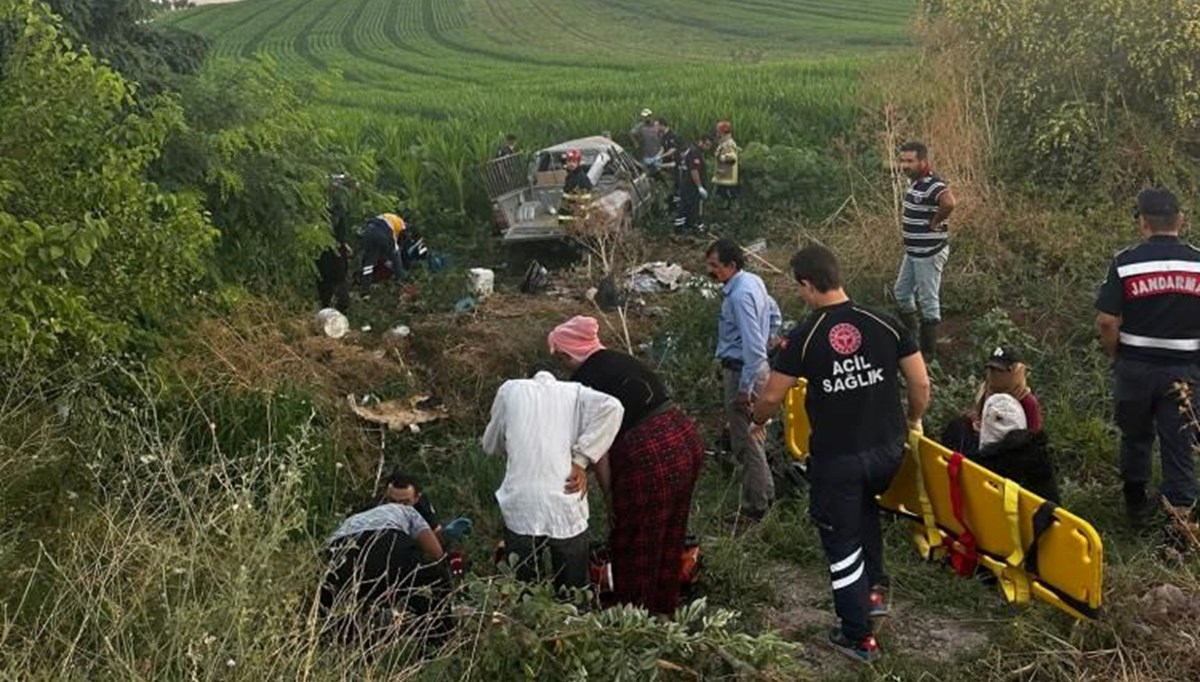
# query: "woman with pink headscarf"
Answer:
x=649 y=473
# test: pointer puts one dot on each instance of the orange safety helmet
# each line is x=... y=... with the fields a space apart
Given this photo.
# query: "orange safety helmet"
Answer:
x=574 y=155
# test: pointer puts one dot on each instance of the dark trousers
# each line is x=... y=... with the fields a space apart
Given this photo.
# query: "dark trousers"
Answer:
x=688 y=214
x=1148 y=403
x=380 y=255
x=378 y=570
x=842 y=504
x=570 y=559
x=728 y=194
x=333 y=288
x=960 y=435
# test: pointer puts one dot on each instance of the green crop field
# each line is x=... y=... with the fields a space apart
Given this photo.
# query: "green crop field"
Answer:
x=783 y=70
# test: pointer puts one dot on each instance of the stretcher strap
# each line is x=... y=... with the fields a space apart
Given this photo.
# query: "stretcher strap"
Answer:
x=1083 y=608
x=964 y=556
x=1012 y=511
x=931 y=538
x=1015 y=583
x=1013 y=578
x=1043 y=518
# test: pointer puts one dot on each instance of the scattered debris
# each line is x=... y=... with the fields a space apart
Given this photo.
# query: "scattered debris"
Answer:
x=400 y=330
x=537 y=278
x=332 y=323
x=755 y=247
x=481 y=282
x=650 y=278
x=708 y=289
x=465 y=305
x=398 y=415
x=607 y=297
x=365 y=328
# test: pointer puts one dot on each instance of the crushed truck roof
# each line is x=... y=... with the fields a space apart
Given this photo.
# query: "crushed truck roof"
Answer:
x=583 y=144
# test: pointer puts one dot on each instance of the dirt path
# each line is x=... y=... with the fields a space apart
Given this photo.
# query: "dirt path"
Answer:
x=803 y=613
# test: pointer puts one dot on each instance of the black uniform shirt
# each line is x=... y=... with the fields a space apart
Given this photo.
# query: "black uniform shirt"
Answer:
x=1154 y=288
x=850 y=356
x=691 y=160
x=339 y=215
x=625 y=378
x=425 y=508
x=577 y=181
x=670 y=143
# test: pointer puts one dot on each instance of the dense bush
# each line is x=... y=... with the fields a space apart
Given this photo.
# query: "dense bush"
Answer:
x=1090 y=97
x=120 y=32
x=261 y=160
x=90 y=251
x=780 y=176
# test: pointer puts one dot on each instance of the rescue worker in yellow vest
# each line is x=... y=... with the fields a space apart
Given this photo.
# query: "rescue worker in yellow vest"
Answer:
x=726 y=179
x=381 y=248
x=577 y=190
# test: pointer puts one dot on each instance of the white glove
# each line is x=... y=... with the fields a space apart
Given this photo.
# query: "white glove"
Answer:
x=703 y=193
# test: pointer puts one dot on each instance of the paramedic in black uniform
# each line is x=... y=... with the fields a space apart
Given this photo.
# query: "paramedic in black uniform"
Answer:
x=1149 y=323
x=851 y=356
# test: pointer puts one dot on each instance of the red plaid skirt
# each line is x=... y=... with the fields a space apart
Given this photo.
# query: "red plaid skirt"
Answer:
x=654 y=469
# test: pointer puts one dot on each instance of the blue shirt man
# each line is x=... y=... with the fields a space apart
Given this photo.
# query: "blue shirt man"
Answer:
x=748 y=318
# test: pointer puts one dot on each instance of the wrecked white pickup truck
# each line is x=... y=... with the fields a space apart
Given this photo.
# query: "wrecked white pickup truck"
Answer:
x=527 y=192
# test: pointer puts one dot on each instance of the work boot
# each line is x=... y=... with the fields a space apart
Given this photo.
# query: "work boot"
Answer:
x=866 y=651
x=929 y=337
x=877 y=602
x=912 y=323
x=1138 y=507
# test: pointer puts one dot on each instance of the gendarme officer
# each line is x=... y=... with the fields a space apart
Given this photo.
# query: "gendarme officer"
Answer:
x=1149 y=323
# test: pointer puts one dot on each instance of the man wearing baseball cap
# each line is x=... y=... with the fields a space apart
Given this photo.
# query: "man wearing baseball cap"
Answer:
x=1005 y=374
x=646 y=138
x=1005 y=371
x=1149 y=323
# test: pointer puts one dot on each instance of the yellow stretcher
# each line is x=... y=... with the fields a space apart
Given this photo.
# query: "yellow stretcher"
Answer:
x=1035 y=549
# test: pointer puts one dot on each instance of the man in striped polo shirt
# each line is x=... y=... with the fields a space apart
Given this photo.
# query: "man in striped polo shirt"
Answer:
x=928 y=203
x=1149 y=322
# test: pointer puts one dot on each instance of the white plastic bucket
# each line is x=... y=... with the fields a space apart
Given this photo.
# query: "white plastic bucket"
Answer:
x=332 y=323
x=481 y=282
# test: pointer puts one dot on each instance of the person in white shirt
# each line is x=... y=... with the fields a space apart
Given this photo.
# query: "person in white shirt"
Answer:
x=550 y=431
